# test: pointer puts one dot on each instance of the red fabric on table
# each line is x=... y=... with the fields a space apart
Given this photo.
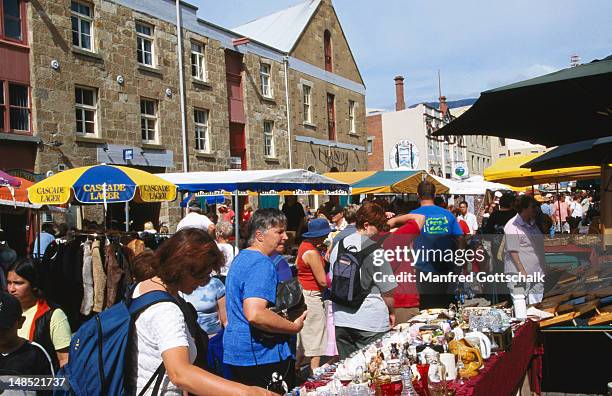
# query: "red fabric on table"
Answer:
x=502 y=373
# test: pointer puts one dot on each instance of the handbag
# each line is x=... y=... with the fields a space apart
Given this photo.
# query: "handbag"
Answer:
x=290 y=304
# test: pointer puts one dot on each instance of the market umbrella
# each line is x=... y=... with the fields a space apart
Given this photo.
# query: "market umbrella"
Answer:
x=563 y=107
x=8 y=180
x=508 y=171
x=587 y=152
x=398 y=182
x=101 y=184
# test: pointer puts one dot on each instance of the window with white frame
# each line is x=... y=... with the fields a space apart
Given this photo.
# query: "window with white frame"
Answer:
x=144 y=41
x=82 y=23
x=198 y=61
x=370 y=143
x=85 y=108
x=269 y=139
x=148 y=120
x=351 y=116
x=264 y=74
x=200 y=119
x=307 y=109
x=19 y=107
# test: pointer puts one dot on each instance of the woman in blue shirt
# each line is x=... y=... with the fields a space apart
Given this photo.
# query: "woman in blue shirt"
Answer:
x=209 y=302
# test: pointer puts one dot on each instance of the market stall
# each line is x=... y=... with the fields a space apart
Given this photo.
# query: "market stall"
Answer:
x=441 y=352
x=301 y=182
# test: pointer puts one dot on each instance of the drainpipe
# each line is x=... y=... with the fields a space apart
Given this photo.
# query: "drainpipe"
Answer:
x=179 y=35
x=286 y=63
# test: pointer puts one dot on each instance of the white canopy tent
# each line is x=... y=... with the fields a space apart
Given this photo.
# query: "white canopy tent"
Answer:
x=253 y=180
x=475 y=185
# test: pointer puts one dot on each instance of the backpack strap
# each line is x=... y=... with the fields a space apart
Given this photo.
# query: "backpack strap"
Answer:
x=135 y=307
x=371 y=248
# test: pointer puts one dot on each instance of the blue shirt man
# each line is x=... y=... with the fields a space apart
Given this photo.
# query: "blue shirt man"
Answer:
x=44 y=239
x=436 y=235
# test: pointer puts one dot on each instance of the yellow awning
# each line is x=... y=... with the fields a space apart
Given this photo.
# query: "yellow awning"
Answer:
x=508 y=171
x=349 y=177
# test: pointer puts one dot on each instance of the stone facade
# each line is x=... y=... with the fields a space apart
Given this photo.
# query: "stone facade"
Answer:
x=313 y=149
x=111 y=70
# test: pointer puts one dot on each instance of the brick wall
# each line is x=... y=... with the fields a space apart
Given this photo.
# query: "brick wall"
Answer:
x=376 y=160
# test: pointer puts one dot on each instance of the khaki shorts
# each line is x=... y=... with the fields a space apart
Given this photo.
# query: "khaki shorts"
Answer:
x=313 y=337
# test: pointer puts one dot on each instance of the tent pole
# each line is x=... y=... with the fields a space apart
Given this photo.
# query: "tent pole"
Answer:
x=559 y=206
x=127 y=216
x=236 y=219
x=38 y=229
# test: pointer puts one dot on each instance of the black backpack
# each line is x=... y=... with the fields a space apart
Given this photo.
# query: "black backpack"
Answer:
x=346 y=288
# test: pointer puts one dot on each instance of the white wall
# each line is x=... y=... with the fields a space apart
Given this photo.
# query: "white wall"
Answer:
x=405 y=125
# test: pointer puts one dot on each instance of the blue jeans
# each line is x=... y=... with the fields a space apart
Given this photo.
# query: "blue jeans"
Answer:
x=552 y=231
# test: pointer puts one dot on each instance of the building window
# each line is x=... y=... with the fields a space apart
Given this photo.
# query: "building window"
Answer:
x=269 y=139
x=148 y=120
x=198 y=62
x=85 y=108
x=19 y=107
x=370 y=143
x=351 y=117
x=327 y=48
x=11 y=9
x=200 y=119
x=144 y=40
x=307 y=111
x=82 y=18
x=264 y=74
x=331 y=117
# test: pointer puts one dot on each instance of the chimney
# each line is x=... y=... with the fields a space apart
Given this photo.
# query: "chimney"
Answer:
x=399 y=93
x=443 y=106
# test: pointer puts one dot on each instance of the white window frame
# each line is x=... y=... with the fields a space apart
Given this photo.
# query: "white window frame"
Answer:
x=149 y=117
x=201 y=71
x=351 y=117
x=306 y=101
x=265 y=75
x=83 y=18
x=370 y=145
x=202 y=128
x=269 y=149
x=140 y=40
x=85 y=108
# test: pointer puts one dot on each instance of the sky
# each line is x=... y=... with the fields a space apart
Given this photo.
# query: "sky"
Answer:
x=476 y=44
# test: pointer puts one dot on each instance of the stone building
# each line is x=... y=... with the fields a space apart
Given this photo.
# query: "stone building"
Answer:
x=104 y=87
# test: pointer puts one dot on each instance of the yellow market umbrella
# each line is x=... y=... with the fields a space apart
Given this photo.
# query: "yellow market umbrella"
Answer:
x=101 y=184
x=508 y=171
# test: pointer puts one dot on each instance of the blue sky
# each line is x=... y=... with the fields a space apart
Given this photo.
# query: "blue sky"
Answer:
x=476 y=44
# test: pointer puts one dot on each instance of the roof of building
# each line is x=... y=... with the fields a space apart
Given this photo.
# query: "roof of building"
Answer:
x=282 y=29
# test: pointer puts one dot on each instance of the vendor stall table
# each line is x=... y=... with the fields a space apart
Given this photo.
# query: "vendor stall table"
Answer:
x=503 y=373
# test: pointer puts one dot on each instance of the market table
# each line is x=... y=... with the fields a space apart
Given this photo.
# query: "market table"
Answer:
x=503 y=373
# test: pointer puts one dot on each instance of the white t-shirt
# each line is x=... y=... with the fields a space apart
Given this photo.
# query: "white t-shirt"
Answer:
x=194 y=220
x=470 y=219
x=158 y=328
x=576 y=209
x=229 y=252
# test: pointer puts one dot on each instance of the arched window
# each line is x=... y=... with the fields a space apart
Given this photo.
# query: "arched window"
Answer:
x=328 y=50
